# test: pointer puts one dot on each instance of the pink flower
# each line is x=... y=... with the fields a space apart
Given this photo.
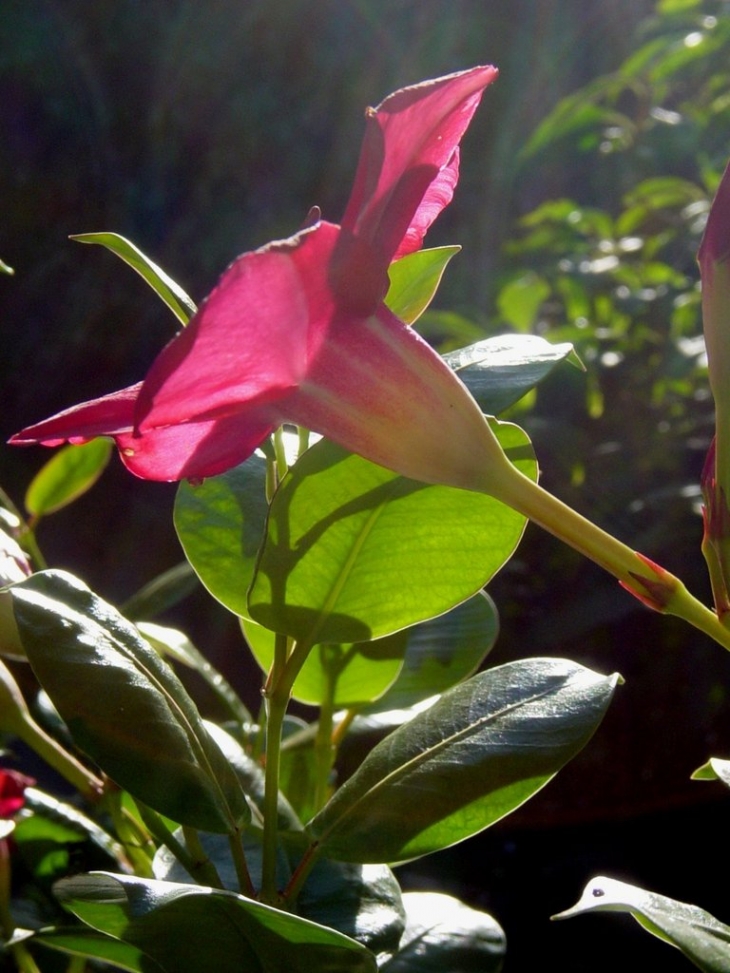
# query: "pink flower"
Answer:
x=298 y=332
x=12 y=792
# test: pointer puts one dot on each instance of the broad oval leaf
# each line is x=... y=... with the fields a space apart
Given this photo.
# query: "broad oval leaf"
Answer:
x=66 y=476
x=221 y=524
x=414 y=280
x=443 y=935
x=499 y=371
x=123 y=705
x=189 y=928
x=161 y=283
x=345 y=675
x=702 y=938
x=442 y=652
x=354 y=551
x=478 y=753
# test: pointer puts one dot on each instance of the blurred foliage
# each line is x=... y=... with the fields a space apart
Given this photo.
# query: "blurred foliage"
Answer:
x=610 y=265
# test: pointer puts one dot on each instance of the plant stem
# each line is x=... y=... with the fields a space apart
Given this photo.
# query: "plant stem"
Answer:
x=651 y=584
x=324 y=747
x=245 y=885
x=277 y=692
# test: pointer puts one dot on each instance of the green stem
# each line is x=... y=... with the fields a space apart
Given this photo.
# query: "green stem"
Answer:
x=198 y=861
x=199 y=866
x=277 y=691
x=651 y=584
x=245 y=885
x=85 y=782
x=324 y=747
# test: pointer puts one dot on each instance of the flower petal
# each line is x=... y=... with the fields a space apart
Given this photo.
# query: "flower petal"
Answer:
x=251 y=341
x=410 y=139
x=195 y=450
x=378 y=389
x=106 y=416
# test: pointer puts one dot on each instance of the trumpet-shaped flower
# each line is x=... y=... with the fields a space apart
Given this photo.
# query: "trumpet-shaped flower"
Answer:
x=298 y=332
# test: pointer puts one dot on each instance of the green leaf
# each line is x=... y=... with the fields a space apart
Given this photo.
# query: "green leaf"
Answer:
x=414 y=280
x=499 y=371
x=66 y=476
x=347 y=675
x=5 y=268
x=361 y=901
x=123 y=705
x=161 y=593
x=189 y=928
x=94 y=945
x=221 y=525
x=354 y=552
x=174 y=644
x=161 y=283
x=442 y=652
x=443 y=935
x=702 y=938
x=714 y=769
x=520 y=300
x=478 y=753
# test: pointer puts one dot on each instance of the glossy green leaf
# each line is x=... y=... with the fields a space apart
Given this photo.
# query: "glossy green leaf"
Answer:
x=702 y=938
x=123 y=705
x=442 y=652
x=443 y=935
x=221 y=523
x=478 y=753
x=346 y=674
x=361 y=901
x=499 y=371
x=174 y=644
x=354 y=551
x=161 y=283
x=414 y=280
x=231 y=933
x=82 y=941
x=5 y=268
x=69 y=473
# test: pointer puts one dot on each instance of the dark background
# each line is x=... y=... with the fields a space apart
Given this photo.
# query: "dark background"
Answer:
x=202 y=129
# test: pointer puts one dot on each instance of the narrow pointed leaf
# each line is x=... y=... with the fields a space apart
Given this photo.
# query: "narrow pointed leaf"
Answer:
x=161 y=283
x=443 y=935
x=161 y=593
x=82 y=941
x=231 y=933
x=478 y=753
x=414 y=281
x=702 y=938
x=221 y=523
x=123 y=705
x=66 y=476
x=499 y=371
x=354 y=552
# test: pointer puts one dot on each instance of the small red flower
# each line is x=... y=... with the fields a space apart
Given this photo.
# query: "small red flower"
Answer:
x=298 y=332
x=12 y=792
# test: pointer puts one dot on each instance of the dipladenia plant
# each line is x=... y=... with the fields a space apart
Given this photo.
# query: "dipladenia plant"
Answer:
x=242 y=831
